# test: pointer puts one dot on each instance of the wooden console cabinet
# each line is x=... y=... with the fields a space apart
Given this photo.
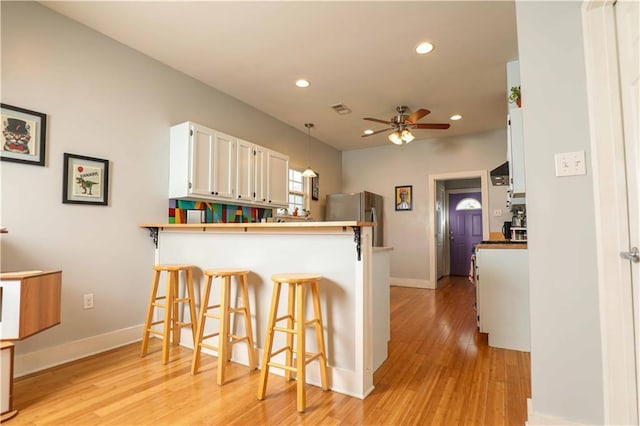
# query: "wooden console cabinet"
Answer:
x=29 y=303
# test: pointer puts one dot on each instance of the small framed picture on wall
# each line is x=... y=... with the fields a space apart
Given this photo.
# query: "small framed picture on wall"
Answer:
x=85 y=180
x=24 y=134
x=404 y=197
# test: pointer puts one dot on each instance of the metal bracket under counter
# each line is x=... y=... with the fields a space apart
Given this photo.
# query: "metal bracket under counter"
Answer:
x=357 y=238
x=153 y=233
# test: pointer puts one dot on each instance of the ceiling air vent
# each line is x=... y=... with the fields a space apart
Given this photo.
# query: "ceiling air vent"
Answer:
x=341 y=109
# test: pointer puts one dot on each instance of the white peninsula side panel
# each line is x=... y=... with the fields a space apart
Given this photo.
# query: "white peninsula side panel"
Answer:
x=346 y=289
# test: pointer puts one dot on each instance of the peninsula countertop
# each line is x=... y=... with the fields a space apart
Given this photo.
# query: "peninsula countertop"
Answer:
x=281 y=225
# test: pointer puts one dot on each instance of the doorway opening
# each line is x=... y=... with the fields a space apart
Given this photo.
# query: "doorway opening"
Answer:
x=447 y=256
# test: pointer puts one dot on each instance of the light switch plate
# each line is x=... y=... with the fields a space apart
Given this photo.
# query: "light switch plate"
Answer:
x=570 y=164
x=497 y=212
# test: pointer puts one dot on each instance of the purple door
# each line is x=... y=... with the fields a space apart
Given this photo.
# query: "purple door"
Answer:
x=465 y=230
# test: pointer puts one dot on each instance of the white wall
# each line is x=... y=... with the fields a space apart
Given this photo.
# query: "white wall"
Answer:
x=380 y=169
x=108 y=101
x=566 y=360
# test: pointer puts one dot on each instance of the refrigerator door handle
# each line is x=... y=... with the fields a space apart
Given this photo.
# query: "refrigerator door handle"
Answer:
x=374 y=218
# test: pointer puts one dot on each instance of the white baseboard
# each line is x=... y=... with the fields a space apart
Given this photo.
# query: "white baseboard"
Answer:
x=535 y=419
x=412 y=282
x=56 y=355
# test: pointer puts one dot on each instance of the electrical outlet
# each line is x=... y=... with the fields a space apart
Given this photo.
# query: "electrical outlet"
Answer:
x=497 y=212
x=87 y=301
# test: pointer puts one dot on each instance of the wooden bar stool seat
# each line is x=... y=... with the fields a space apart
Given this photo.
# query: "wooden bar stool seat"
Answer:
x=170 y=302
x=222 y=312
x=296 y=325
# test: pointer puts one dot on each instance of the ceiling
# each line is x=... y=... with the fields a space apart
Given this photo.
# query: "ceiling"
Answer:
x=360 y=54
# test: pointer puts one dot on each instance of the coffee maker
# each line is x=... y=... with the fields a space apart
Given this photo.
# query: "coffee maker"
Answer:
x=506 y=230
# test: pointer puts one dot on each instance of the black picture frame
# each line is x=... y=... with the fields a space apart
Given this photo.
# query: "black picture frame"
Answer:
x=315 y=187
x=404 y=198
x=85 y=180
x=24 y=135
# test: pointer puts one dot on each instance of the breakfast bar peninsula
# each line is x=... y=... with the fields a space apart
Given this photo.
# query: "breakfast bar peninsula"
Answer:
x=354 y=291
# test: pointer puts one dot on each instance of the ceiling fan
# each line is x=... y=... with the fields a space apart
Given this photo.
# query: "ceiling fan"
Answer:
x=402 y=123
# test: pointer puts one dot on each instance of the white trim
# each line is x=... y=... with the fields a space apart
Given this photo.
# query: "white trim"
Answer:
x=534 y=419
x=411 y=282
x=431 y=208
x=32 y=362
x=605 y=117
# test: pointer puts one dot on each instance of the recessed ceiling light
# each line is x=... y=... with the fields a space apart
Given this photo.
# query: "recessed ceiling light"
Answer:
x=456 y=117
x=302 y=83
x=368 y=132
x=424 y=47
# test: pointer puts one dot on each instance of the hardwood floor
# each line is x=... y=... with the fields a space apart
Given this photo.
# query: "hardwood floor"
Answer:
x=440 y=371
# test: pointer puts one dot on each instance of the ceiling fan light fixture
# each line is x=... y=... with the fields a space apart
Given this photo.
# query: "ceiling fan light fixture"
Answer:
x=395 y=138
x=302 y=83
x=455 y=117
x=407 y=136
x=424 y=48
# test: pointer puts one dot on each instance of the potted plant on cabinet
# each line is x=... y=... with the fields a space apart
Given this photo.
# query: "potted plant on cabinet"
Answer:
x=515 y=96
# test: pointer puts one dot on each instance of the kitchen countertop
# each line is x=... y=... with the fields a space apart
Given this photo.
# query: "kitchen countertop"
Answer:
x=205 y=226
x=502 y=245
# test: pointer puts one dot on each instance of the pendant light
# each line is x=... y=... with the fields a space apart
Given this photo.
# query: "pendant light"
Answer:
x=308 y=172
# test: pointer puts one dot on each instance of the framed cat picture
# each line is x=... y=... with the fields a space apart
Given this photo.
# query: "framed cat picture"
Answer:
x=24 y=134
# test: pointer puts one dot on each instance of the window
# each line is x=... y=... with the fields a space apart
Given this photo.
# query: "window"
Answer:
x=468 y=204
x=298 y=191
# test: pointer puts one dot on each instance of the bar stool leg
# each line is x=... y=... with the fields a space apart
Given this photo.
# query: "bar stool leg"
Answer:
x=301 y=364
x=192 y=304
x=175 y=305
x=223 y=337
x=319 y=335
x=268 y=345
x=247 y=322
x=204 y=305
x=147 y=324
x=168 y=322
x=290 y=325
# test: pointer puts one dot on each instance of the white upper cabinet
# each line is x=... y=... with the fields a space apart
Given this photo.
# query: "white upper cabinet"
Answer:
x=210 y=165
x=515 y=141
x=201 y=163
x=277 y=179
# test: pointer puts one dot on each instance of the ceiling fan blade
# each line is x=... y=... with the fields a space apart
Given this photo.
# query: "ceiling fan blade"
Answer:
x=417 y=115
x=379 y=131
x=441 y=126
x=377 y=120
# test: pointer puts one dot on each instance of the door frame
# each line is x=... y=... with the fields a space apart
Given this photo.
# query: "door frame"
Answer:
x=614 y=280
x=431 y=212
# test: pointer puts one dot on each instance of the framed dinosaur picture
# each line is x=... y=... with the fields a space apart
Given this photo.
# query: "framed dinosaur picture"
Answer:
x=85 y=180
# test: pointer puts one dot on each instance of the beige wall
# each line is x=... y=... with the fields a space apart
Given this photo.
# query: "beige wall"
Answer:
x=380 y=169
x=108 y=101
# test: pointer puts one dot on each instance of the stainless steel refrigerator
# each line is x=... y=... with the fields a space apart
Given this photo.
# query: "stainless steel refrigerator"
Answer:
x=361 y=206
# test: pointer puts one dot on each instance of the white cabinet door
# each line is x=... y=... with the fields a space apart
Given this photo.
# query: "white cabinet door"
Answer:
x=260 y=158
x=277 y=179
x=245 y=170
x=516 y=153
x=223 y=166
x=503 y=297
x=201 y=161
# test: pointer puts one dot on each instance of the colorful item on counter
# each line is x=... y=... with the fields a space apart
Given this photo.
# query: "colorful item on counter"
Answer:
x=216 y=212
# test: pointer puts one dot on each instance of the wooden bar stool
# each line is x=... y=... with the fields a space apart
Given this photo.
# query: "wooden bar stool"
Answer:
x=170 y=302
x=226 y=338
x=296 y=296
